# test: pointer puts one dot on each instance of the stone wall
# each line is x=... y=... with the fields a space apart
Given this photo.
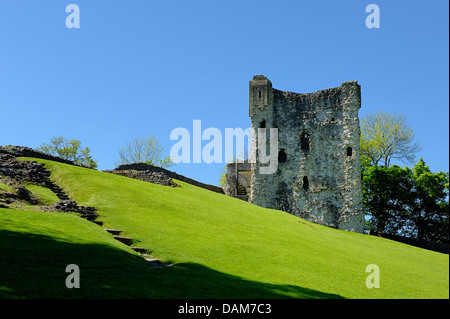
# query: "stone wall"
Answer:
x=21 y=171
x=238 y=177
x=319 y=169
x=150 y=168
x=159 y=178
x=140 y=171
x=21 y=151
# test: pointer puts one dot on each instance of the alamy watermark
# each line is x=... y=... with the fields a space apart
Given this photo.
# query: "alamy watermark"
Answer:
x=373 y=280
x=73 y=19
x=373 y=19
x=212 y=152
x=73 y=280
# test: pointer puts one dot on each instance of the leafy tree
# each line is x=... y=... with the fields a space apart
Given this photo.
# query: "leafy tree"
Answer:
x=387 y=136
x=386 y=196
x=146 y=150
x=429 y=211
x=408 y=202
x=223 y=177
x=69 y=150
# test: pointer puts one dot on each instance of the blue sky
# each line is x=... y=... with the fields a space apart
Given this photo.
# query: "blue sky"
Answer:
x=140 y=67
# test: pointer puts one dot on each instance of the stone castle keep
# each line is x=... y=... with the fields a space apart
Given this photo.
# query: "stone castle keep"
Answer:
x=319 y=170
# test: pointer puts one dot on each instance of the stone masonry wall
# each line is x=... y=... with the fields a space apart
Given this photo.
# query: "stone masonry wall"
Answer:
x=22 y=151
x=150 y=168
x=238 y=180
x=319 y=169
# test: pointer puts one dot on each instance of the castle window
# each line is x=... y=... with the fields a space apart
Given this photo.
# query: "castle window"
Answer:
x=282 y=157
x=304 y=142
x=305 y=183
x=332 y=119
x=262 y=124
x=349 y=151
x=260 y=93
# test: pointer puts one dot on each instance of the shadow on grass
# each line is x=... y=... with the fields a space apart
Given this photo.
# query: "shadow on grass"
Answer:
x=33 y=266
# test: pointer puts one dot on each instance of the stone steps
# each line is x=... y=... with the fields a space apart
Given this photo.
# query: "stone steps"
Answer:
x=58 y=191
x=140 y=250
x=144 y=252
x=89 y=213
x=241 y=190
x=156 y=263
x=90 y=217
x=126 y=240
x=113 y=231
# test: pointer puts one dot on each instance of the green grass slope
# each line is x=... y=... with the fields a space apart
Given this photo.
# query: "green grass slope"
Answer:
x=221 y=247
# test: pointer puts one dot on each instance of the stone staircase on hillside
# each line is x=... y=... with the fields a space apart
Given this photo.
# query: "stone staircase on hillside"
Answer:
x=89 y=213
x=31 y=171
x=57 y=190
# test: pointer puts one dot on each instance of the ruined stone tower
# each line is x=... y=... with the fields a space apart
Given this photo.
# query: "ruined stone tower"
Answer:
x=319 y=169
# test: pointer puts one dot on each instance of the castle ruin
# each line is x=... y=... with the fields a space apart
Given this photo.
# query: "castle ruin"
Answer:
x=319 y=170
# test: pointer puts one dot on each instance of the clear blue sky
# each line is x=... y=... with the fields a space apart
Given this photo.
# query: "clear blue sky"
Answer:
x=140 y=67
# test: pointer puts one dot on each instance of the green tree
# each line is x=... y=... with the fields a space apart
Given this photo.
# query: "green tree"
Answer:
x=146 y=150
x=223 y=177
x=387 y=136
x=408 y=202
x=429 y=211
x=69 y=150
x=387 y=196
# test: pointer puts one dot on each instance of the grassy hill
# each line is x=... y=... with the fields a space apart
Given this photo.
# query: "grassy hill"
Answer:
x=220 y=247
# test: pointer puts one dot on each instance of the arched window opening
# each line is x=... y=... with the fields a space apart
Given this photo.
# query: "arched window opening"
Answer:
x=304 y=142
x=349 y=151
x=305 y=183
x=282 y=157
x=260 y=94
x=262 y=124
